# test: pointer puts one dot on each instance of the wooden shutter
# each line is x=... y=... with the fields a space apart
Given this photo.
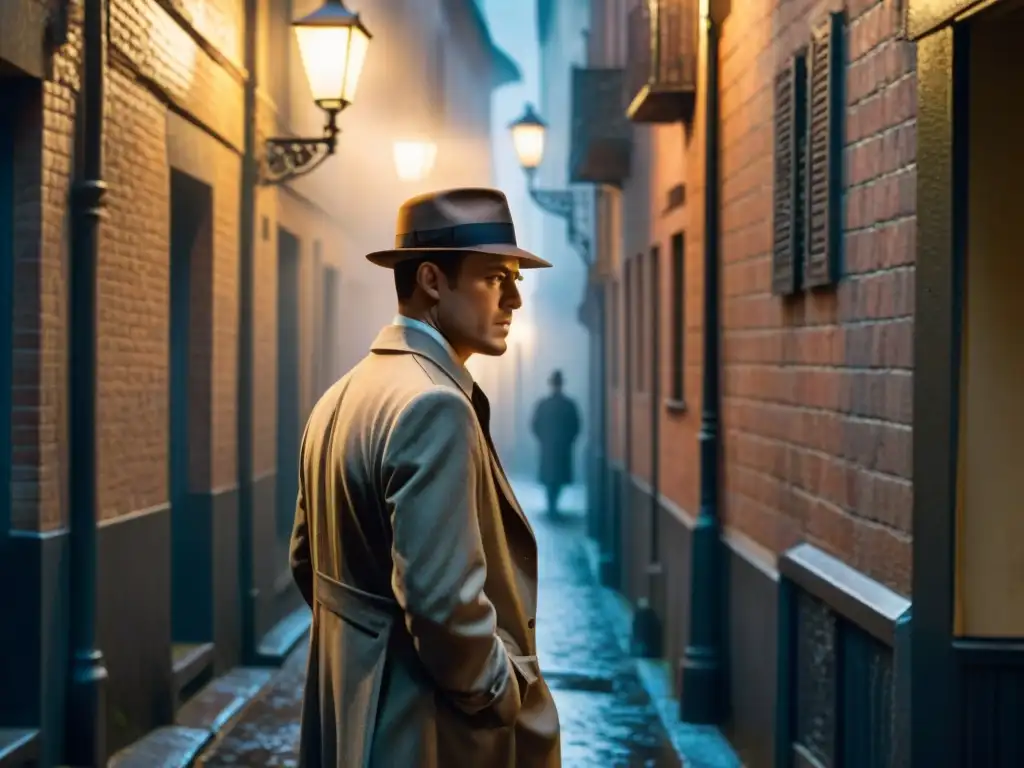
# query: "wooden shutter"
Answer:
x=824 y=161
x=790 y=89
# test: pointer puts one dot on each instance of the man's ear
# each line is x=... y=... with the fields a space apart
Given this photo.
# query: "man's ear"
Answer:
x=429 y=278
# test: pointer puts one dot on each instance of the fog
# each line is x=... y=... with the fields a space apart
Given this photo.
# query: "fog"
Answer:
x=414 y=54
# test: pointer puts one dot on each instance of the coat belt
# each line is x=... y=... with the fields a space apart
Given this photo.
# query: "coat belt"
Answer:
x=371 y=613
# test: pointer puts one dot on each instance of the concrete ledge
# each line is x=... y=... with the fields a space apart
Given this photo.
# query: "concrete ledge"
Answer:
x=697 y=746
x=204 y=716
x=283 y=637
x=19 y=747
x=222 y=699
x=169 y=747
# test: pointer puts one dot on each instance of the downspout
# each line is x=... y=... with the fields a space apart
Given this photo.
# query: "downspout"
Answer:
x=246 y=260
x=86 y=706
x=702 y=679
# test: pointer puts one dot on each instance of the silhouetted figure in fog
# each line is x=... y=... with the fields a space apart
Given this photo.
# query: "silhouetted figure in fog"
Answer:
x=556 y=423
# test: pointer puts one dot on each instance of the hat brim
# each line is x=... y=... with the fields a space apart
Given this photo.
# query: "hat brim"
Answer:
x=390 y=258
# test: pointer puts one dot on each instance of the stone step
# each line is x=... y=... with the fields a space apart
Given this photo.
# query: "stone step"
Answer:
x=222 y=699
x=283 y=637
x=205 y=715
x=19 y=747
x=192 y=664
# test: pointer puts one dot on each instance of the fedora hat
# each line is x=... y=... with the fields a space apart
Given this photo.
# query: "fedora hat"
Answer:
x=475 y=220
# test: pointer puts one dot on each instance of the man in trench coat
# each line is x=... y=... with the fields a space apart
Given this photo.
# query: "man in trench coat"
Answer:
x=409 y=544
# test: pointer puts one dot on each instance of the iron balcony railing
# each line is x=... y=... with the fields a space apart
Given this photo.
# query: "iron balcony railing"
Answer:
x=661 y=74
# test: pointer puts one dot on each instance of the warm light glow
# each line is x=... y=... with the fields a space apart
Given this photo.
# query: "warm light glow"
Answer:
x=333 y=57
x=529 y=144
x=520 y=333
x=528 y=138
x=414 y=160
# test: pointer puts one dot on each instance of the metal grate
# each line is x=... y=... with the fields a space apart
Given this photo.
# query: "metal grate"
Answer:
x=816 y=679
x=662 y=46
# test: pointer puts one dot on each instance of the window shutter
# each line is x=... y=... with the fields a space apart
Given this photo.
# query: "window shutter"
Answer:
x=790 y=88
x=824 y=166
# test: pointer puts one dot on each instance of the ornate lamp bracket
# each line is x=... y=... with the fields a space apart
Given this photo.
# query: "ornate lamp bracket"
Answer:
x=566 y=204
x=287 y=158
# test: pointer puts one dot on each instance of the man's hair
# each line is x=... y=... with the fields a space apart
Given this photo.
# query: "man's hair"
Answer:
x=405 y=271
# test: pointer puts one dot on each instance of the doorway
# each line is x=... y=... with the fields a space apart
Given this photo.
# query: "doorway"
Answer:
x=990 y=567
x=289 y=422
x=190 y=352
x=967 y=628
x=10 y=95
x=329 y=330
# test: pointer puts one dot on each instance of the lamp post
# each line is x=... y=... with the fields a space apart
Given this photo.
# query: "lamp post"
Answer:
x=528 y=135
x=332 y=43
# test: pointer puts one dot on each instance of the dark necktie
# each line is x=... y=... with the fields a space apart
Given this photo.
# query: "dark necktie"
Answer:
x=482 y=407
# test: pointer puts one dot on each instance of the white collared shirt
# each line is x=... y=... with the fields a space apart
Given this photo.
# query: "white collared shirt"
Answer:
x=431 y=331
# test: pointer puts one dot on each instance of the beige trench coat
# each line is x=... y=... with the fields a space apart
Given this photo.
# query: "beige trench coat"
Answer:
x=421 y=570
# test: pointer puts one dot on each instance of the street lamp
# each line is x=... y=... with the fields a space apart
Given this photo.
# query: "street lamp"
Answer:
x=414 y=160
x=332 y=43
x=528 y=134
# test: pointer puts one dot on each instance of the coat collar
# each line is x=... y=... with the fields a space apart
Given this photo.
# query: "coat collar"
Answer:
x=411 y=340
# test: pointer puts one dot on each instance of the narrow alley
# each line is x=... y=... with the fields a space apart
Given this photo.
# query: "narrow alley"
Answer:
x=608 y=721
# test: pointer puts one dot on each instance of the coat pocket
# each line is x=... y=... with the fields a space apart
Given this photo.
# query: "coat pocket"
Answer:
x=354 y=629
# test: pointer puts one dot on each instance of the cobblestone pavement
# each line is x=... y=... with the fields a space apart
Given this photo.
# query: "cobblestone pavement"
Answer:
x=607 y=719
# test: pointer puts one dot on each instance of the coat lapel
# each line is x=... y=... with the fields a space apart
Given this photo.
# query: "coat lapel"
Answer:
x=405 y=340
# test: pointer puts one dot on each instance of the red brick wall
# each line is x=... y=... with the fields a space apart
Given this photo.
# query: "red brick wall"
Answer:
x=817 y=389
x=152 y=63
x=39 y=428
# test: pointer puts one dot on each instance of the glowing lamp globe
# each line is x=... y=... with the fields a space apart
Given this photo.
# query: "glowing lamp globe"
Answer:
x=333 y=44
x=528 y=138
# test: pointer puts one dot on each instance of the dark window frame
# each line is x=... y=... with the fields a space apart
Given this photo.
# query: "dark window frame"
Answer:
x=677 y=383
x=614 y=371
x=640 y=325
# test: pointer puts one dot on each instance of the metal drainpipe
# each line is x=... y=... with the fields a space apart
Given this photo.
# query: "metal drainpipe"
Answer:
x=703 y=698
x=85 y=743
x=246 y=260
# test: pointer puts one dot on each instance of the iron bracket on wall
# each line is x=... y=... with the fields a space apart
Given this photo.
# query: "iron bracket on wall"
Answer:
x=566 y=204
x=288 y=158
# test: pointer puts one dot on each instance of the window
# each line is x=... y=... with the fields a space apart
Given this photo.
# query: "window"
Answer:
x=613 y=335
x=676 y=391
x=809 y=109
x=627 y=334
x=654 y=321
x=640 y=342
x=329 y=337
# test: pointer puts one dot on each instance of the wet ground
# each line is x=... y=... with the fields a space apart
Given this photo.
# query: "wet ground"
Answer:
x=607 y=719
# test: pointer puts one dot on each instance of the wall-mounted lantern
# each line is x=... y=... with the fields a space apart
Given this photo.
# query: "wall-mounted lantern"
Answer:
x=528 y=134
x=332 y=43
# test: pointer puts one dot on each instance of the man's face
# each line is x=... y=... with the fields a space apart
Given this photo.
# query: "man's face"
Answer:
x=475 y=312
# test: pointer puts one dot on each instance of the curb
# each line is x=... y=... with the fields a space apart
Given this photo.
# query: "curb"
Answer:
x=697 y=746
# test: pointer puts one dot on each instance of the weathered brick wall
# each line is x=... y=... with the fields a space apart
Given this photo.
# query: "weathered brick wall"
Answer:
x=44 y=149
x=817 y=389
x=133 y=305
